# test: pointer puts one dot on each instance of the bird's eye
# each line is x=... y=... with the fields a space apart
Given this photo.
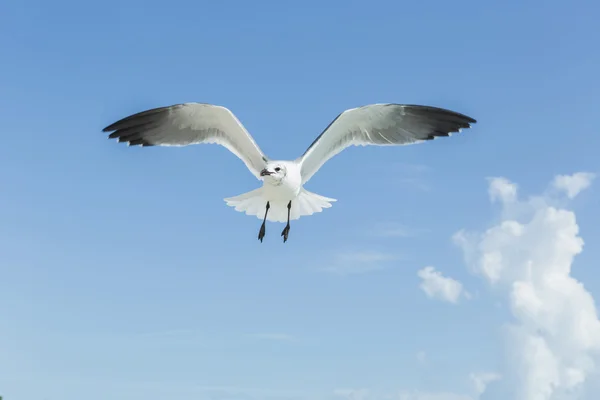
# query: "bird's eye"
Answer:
x=277 y=169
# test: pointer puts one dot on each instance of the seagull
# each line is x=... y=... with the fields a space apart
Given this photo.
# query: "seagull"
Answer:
x=282 y=196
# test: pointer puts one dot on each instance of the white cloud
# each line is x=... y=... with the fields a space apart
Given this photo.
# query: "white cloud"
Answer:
x=502 y=189
x=481 y=380
x=555 y=339
x=572 y=185
x=358 y=262
x=435 y=285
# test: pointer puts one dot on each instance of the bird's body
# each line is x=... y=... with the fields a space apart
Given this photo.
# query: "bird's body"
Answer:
x=279 y=189
x=282 y=196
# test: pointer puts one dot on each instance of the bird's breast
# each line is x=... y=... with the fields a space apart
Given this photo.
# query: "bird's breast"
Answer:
x=285 y=191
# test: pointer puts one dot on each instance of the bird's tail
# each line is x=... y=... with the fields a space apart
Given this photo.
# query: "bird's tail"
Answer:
x=254 y=203
x=308 y=203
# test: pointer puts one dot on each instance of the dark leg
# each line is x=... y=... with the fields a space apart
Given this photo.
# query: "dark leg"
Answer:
x=261 y=233
x=286 y=230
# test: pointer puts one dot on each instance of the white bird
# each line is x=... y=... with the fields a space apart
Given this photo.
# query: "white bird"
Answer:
x=282 y=196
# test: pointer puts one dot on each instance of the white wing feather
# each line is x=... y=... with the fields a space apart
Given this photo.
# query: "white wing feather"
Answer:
x=380 y=125
x=190 y=123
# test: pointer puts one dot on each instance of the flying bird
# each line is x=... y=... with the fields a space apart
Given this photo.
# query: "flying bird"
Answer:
x=282 y=196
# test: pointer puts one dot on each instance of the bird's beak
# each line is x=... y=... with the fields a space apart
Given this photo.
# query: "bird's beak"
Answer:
x=265 y=172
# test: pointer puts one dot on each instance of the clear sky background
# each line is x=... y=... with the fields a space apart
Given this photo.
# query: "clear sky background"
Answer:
x=124 y=276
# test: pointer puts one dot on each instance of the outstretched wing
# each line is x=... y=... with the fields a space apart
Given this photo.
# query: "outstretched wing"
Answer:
x=380 y=125
x=190 y=123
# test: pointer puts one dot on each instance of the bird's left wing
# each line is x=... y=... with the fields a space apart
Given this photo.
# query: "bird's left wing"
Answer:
x=380 y=125
x=190 y=123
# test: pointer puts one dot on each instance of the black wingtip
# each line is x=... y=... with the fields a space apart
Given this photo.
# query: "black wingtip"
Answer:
x=439 y=110
x=123 y=136
x=131 y=129
x=469 y=119
x=114 y=126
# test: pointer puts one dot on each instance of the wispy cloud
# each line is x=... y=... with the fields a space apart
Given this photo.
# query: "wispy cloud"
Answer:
x=415 y=176
x=414 y=168
x=352 y=394
x=278 y=337
x=479 y=382
x=422 y=358
x=365 y=394
x=554 y=342
x=437 y=286
x=358 y=262
x=168 y=389
x=393 y=229
x=422 y=395
x=411 y=175
x=415 y=182
x=170 y=333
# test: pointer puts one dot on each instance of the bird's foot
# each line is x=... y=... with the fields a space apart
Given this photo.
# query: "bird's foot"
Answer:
x=285 y=233
x=261 y=232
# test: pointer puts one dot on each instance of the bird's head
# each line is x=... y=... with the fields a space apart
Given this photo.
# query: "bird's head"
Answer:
x=274 y=172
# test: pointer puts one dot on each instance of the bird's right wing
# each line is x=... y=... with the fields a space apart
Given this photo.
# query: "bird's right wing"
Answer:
x=380 y=125
x=190 y=123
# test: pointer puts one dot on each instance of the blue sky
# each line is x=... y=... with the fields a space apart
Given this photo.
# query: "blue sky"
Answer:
x=124 y=275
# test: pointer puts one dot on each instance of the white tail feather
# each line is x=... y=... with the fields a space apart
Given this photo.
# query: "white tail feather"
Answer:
x=253 y=203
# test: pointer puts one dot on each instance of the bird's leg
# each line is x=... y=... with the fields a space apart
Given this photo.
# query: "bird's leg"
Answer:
x=286 y=230
x=261 y=233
